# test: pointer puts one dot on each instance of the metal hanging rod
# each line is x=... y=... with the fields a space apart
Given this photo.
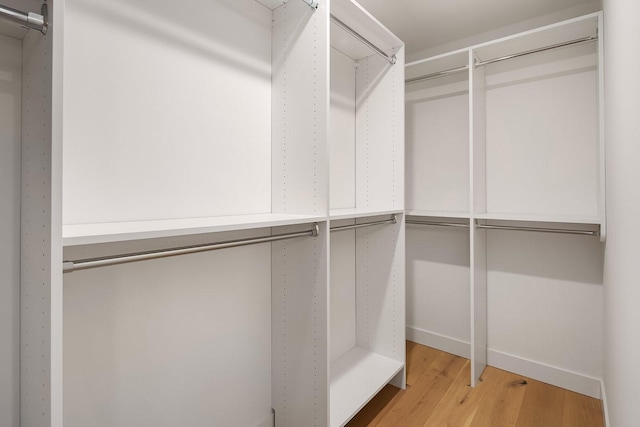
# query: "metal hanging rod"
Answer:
x=437 y=74
x=313 y=4
x=29 y=20
x=85 y=264
x=392 y=220
x=541 y=230
x=438 y=224
x=541 y=49
x=391 y=59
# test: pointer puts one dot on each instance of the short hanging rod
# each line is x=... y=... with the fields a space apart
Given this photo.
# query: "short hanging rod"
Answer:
x=392 y=220
x=29 y=20
x=540 y=230
x=541 y=49
x=437 y=74
x=85 y=264
x=313 y=4
x=438 y=224
x=391 y=59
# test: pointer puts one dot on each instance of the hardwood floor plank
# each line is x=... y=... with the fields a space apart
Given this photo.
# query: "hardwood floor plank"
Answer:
x=542 y=406
x=439 y=395
x=581 y=411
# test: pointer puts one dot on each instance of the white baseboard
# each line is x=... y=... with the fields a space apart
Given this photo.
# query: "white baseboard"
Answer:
x=440 y=342
x=553 y=375
x=546 y=373
x=605 y=406
x=270 y=421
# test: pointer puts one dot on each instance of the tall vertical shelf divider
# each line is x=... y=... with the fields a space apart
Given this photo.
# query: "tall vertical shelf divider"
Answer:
x=366 y=146
x=158 y=130
x=534 y=155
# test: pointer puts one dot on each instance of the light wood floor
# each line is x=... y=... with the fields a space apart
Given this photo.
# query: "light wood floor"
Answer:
x=438 y=394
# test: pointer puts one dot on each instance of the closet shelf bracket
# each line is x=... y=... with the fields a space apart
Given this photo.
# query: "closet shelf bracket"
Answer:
x=392 y=220
x=85 y=264
x=29 y=20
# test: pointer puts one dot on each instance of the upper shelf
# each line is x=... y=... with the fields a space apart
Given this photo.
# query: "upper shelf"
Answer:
x=351 y=213
x=86 y=234
x=562 y=219
x=363 y=23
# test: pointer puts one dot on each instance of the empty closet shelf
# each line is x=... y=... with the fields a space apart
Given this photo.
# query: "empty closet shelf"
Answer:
x=356 y=377
x=392 y=220
x=85 y=234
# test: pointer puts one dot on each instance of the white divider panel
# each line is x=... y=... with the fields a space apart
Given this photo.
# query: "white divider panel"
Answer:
x=300 y=108
x=299 y=337
x=176 y=341
x=10 y=129
x=380 y=133
x=478 y=238
x=40 y=273
x=167 y=109
x=380 y=290
x=342 y=291
x=342 y=131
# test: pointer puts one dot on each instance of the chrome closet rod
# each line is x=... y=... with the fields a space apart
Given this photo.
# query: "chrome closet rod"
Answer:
x=541 y=49
x=30 y=20
x=85 y=264
x=437 y=74
x=541 y=230
x=393 y=220
x=438 y=224
x=391 y=59
x=313 y=4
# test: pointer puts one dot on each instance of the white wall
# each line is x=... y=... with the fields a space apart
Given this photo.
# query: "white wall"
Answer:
x=622 y=269
x=10 y=124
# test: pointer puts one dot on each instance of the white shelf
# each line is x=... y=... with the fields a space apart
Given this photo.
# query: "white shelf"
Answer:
x=438 y=214
x=355 y=378
x=86 y=234
x=337 y=214
x=563 y=219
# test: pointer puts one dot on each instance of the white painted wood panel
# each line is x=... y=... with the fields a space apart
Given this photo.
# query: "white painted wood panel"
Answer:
x=342 y=292
x=342 y=131
x=542 y=137
x=10 y=170
x=438 y=280
x=545 y=298
x=167 y=110
x=176 y=341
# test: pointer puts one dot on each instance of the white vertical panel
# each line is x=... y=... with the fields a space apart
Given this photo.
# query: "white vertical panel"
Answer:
x=41 y=308
x=300 y=109
x=380 y=289
x=176 y=341
x=10 y=130
x=342 y=132
x=438 y=281
x=300 y=379
x=167 y=109
x=342 y=293
x=380 y=133
x=602 y=199
x=478 y=238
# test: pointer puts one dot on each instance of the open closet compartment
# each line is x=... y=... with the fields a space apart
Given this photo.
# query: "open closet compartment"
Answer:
x=366 y=150
x=180 y=129
x=539 y=148
x=537 y=160
x=192 y=118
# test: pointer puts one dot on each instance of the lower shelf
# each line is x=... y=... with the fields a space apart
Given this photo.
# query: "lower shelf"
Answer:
x=355 y=378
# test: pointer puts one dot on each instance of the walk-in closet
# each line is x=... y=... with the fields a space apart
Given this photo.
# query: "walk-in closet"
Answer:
x=299 y=213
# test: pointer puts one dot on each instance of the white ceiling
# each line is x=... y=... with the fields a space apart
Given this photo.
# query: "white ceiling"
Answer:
x=425 y=24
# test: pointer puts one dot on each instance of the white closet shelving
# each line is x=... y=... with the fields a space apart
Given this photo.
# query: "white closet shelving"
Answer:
x=500 y=136
x=168 y=126
x=366 y=141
